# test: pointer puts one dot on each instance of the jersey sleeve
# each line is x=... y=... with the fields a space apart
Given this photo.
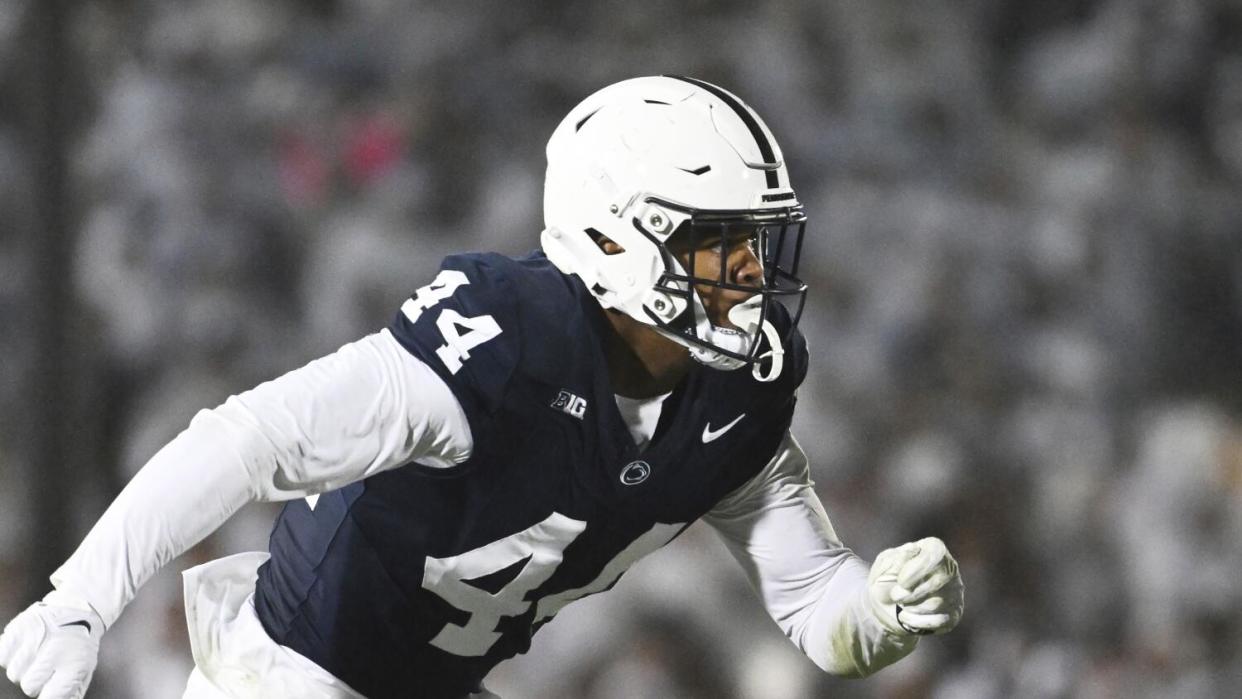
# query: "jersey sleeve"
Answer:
x=810 y=583
x=465 y=326
x=364 y=409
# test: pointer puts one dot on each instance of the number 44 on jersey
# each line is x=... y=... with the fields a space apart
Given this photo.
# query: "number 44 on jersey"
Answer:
x=457 y=344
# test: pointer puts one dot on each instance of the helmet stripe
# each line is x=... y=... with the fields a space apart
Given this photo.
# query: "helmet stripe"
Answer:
x=752 y=124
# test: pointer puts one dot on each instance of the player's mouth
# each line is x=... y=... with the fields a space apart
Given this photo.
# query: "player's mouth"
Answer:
x=720 y=302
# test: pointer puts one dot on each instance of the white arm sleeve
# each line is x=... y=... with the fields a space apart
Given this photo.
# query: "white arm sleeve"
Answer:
x=367 y=408
x=811 y=584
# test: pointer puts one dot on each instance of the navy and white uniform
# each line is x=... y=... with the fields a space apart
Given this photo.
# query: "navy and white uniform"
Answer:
x=456 y=479
x=428 y=577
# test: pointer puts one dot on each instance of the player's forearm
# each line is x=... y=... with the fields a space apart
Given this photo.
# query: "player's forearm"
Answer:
x=841 y=634
x=185 y=492
x=364 y=409
x=811 y=584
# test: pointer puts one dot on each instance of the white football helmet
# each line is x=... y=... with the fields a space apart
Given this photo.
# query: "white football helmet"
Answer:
x=646 y=158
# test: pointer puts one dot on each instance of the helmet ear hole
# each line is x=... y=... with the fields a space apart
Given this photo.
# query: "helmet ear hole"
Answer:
x=607 y=245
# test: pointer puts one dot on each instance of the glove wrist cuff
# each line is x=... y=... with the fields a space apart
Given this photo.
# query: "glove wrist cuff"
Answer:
x=71 y=600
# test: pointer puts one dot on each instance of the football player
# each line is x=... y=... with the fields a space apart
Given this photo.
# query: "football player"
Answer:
x=523 y=432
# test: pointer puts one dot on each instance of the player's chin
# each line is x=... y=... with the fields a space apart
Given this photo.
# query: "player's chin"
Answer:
x=720 y=318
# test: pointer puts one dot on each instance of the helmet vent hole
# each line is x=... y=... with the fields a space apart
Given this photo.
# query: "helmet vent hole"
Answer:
x=697 y=170
x=585 y=119
x=656 y=102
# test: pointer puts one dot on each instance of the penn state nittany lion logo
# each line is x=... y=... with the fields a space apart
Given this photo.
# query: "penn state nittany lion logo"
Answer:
x=635 y=472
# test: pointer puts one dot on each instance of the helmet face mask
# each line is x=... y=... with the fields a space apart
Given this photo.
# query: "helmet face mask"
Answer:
x=663 y=167
x=773 y=238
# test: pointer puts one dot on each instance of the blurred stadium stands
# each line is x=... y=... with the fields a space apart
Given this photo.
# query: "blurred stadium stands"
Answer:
x=1026 y=311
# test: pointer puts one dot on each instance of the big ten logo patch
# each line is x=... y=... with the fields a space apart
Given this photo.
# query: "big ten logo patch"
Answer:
x=570 y=404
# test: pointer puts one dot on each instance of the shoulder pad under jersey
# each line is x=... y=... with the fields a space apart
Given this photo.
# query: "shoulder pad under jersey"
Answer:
x=464 y=325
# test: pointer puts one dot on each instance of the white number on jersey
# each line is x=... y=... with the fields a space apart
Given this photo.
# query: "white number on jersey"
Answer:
x=541 y=546
x=653 y=539
x=440 y=288
x=457 y=345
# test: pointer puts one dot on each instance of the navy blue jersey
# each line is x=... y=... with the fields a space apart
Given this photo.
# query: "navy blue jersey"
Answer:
x=417 y=581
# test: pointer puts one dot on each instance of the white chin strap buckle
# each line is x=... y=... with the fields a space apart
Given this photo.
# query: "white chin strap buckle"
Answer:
x=774 y=358
x=738 y=340
x=776 y=355
x=714 y=359
x=746 y=316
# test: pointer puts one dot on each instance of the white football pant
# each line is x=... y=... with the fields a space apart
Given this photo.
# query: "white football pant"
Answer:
x=234 y=658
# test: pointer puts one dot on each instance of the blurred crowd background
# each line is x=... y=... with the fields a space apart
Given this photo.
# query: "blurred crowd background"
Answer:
x=1025 y=257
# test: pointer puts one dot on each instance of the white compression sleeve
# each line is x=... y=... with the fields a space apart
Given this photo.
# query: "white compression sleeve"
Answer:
x=811 y=584
x=368 y=407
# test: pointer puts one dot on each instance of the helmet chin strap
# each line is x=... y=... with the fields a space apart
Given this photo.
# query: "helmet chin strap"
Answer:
x=745 y=316
x=776 y=354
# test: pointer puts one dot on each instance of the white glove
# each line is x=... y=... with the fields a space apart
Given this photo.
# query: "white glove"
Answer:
x=50 y=650
x=916 y=589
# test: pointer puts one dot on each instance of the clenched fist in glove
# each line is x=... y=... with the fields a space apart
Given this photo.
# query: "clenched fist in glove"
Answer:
x=916 y=589
x=50 y=650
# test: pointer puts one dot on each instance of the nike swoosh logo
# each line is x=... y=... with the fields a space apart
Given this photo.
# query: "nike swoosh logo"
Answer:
x=80 y=622
x=710 y=435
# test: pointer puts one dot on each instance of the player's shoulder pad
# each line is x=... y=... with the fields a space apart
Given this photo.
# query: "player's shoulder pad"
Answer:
x=465 y=325
x=485 y=318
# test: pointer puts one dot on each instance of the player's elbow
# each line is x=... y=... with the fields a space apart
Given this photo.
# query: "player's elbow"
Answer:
x=853 y=655
x=844 y=667
x=231 y=432
x=849 y=671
